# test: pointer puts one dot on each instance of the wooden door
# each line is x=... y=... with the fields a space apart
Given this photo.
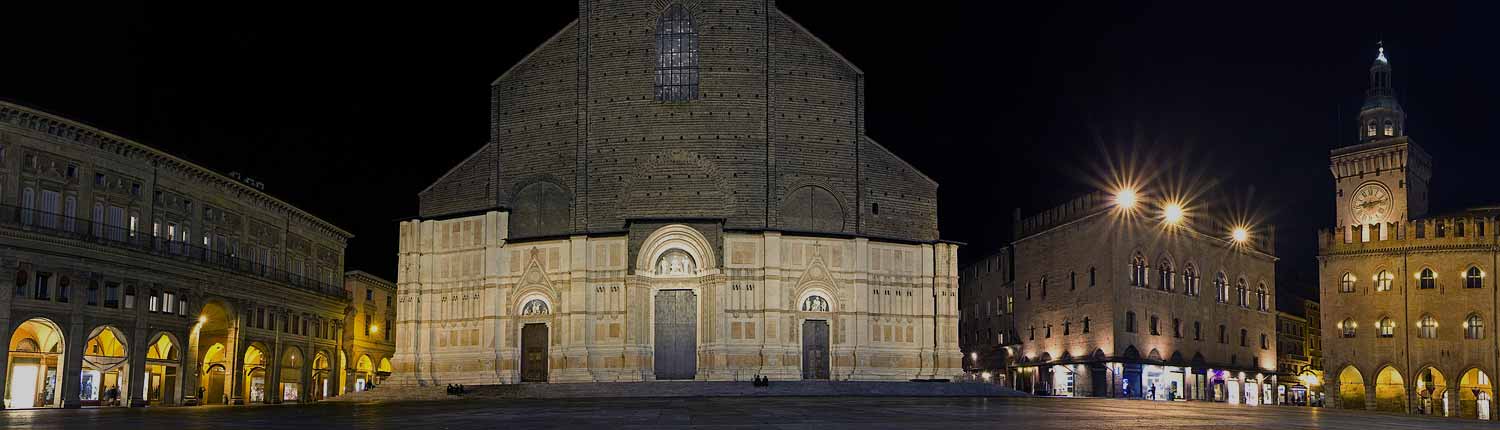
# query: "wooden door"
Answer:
x=814 y=349
x=676 y=331
x=214 y=393
x=534 y=353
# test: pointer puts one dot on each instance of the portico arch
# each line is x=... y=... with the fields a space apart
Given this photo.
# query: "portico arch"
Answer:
x=290 y=385
x=1351 y=388
x=160 y=383
x=34 y=371
x=323 y=384
x=1390 y=390
x=254 y=369
x=363 y=373
x=681 y=238
x=105 y=374
x=212 y=344
x=1432 y=393
x=1476 y=395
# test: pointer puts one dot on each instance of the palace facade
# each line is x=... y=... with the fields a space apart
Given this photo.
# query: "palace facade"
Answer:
x=1109 y=302
x=1407 y=297
x=133 y=277
x=677 y=190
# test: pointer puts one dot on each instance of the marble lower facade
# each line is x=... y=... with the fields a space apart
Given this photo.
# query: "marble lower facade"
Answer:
x=669 y=300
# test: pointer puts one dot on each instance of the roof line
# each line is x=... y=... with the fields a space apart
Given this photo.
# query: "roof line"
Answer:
x=454 y=168
x=179 y=160
x=534 y=52
x=820 y=41
x=903 y=161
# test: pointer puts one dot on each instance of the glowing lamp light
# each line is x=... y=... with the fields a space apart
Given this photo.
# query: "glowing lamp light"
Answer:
x=1126 y=198
x=974 y=356
x=1309 y=380
x=1240 y=234
x=986 y=376
x=1173 y=214
x=202 y=319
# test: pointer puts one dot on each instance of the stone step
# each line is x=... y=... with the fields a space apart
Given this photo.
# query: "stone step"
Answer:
x=738 y=389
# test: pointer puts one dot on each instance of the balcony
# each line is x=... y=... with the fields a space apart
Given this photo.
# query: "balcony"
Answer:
x=82 y=230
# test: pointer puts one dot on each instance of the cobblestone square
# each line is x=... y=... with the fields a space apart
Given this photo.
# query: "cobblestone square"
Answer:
x=822 y=413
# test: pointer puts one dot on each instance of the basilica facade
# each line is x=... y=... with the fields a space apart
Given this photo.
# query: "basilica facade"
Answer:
x=677 y=190
x=1406 y=294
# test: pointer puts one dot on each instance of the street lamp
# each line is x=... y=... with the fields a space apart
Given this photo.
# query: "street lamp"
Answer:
x=1126 y=198
x=1173 y=214
x=1240 y=234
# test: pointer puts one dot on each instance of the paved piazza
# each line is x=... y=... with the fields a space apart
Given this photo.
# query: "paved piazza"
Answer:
x=781 y=413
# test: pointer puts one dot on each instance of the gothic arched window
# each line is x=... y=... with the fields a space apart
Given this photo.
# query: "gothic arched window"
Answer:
x=1473 y=278
x=1190 y=280
x=1138 y=271
x=1474 y=327
x=1427 y=279
x=676 y=56
x=1383 y=281
x=1386 y=327
x=1346 y=327
x=1164 y=271
x=1427 y=327
x=1263 y=299
x=1221 y=285
x=1390 y=128
x=1370 y=128
x=1346 y=285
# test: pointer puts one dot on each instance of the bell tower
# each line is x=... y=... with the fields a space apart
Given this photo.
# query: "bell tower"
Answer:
x=1380 y=179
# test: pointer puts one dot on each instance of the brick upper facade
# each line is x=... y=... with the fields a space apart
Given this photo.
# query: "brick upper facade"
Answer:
x=577 y=136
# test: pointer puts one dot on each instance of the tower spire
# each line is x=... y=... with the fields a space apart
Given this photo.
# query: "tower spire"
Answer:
x=1381 y=57
x=1381 y=116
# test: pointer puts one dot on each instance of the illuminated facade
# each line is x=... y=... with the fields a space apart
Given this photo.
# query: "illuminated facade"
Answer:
x=1112 y=301
x=1407 y=300
x=986 y=295
x=1299 y=364
x=677 y=190
x=133 y=277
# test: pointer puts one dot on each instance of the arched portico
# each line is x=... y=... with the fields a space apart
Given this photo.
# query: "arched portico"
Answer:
x=1390 y=390
x=1351 y=388
x=35 y=365
x=105 y=377
x=1433 y=396
x=289 y=388
x=254 y=369
x=160 y=384
x=1476 y=395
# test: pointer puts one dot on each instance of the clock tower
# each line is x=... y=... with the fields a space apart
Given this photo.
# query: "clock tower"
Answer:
x=1380 y=179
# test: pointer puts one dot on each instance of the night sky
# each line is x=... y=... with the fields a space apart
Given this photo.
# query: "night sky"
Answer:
x=348 y=112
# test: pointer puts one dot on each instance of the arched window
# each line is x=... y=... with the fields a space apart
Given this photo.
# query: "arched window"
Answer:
x=1427 y=278
x=1221 y=288
x=676 y=56
x=1390 y=128
x=1164 y=275
x=1473 y=278
x=1383 y=281
x=1370 y=128
x=1347 y=326
x=1243 y=291
x=1474 y=327
x=1347 y=284
x=1386 y=327
x=1427 y=327
x=1262 y=298
x=1190 y=280
x=1138 y=271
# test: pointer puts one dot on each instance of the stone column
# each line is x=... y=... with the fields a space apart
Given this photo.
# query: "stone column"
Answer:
x=235 y=344
x=1370 y=397
x=189 y=373
x=273 y=358
x=137 y=383
x=73 y=361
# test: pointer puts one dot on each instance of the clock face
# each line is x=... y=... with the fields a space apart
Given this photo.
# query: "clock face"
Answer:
x=1371 y=203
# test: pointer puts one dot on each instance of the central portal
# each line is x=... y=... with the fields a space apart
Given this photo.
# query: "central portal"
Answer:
x=534 y=353
x=676 y=334
x=814 y=349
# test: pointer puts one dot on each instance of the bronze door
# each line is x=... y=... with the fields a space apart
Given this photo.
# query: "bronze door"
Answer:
x=534 y=353
x=214 y=393
x=676 y=334
x=814 y=349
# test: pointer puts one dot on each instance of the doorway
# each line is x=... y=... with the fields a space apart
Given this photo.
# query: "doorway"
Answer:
x=815 y=350
x=534 y=353
x=676 y=334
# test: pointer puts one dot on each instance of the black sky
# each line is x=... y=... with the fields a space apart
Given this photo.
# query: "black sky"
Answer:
x=349 y=110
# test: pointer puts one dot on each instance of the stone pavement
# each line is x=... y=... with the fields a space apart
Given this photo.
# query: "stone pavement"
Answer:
x=820 y=413
x=687 y=389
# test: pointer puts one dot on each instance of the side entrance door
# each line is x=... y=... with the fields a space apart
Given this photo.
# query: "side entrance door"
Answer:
x=534 y=353
x=676 y=329
x=814 y=349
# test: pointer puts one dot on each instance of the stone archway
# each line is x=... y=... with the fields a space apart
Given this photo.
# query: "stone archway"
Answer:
x=1476 y=395
x=363 y=373
x=254 y=368
x=105 y=376
x=1351 y=388
x=160 y=383
x=34 y=373
x=289 y=385
x=1390 y=391
x=322 y=379
x=1433 y=397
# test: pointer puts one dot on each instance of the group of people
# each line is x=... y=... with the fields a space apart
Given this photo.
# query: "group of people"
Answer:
x=455 y=389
